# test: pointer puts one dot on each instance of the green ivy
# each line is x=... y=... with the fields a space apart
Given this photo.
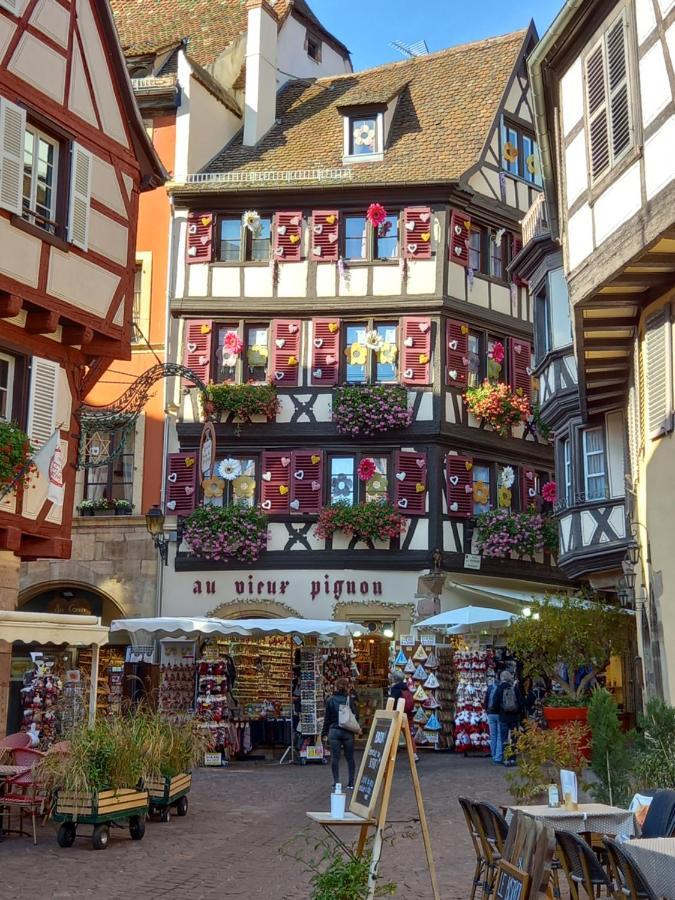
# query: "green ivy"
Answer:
x=241 y=400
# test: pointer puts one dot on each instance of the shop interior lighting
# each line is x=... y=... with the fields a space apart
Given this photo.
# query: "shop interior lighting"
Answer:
x=527 y=612
x=357 y=634
x=388 y=632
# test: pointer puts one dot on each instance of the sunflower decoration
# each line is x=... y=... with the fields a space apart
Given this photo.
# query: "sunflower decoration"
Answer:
x=504 y=497
x=363 y=134
x=481 y=492
x=510 y=152
x=229 y=469
x=357 y=354
x=213 y=488
x=387 y=354
x=243 y=487
x=251 y=220
x=532 y=163
x=373 y=340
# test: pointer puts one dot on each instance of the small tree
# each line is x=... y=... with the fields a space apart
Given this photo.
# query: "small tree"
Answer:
x=570 y=631
x=611 y=758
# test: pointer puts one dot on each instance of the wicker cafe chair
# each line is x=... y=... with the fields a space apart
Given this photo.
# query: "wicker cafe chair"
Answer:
x=627 y=876
x=470 y=816
x=660 y=818
x=580 y=865
x=492 y=829
x=19 y=741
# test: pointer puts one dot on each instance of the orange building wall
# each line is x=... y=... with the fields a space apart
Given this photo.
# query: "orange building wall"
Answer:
x=153 y=235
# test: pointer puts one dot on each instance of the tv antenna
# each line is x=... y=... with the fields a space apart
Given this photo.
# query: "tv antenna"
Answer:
x=410 y=51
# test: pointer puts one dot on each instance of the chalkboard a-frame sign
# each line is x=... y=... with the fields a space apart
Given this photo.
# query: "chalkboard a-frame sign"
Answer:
x=385 y=728
x=512 y=883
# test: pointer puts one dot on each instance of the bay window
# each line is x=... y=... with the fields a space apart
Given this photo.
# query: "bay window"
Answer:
x=595 y=474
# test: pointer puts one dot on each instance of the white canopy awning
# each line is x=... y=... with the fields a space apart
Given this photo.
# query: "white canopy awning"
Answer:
x=466 y=615
x=52 y=628
x=315 y=627
x=147 y=630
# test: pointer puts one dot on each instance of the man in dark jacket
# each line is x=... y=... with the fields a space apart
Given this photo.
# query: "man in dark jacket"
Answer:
x=509 y=703
x=340 y=738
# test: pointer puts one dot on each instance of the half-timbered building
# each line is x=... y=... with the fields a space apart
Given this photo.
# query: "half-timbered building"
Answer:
x=445 y=143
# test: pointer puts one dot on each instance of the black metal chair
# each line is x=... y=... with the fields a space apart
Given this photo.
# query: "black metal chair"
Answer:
x=580 y=865
x=492 y=829
x=660 y=818
x=470 y=816
x=629 y=881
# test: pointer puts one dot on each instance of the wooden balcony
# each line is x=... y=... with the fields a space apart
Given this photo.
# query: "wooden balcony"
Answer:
x=535 y=221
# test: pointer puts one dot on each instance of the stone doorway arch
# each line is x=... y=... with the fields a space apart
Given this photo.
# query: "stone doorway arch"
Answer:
x=74 y=597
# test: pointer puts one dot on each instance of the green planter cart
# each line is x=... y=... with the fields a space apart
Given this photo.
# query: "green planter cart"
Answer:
x=124 y=807
x=166 y=793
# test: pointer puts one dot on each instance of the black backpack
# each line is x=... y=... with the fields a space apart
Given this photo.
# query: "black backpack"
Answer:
x=510 y=699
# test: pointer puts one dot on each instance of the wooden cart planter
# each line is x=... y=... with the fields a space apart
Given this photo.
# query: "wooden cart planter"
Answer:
x=168 y=792
x=100 y=809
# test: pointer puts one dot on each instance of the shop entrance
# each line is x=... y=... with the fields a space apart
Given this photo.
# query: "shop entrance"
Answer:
x=372 y=657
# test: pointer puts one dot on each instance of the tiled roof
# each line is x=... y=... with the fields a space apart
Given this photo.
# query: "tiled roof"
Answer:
x=447 y=104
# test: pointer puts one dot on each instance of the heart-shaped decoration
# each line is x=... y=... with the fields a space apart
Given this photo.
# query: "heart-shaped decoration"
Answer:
x=426 y=236
x=408 y=342
x=454 y=480
x=205 y=329
x=285 y=460
x=318 y=251
x=464 y=329
x=458 y=230
x=468 y=465
x=292 y=360
x=425 y=216
x=423 y=327
x=295 y=504
x=192 y=251
x=528 y=370
x=202 y=360
x=420 y=488
x=452 y=374
x=403 y=502
x=205 y=220
x=465 y=360
x=318 y=228
x=454 y=507
x=278 y=376
x=292 y=328
x=317 y=373
x=204 y=239
x=189 y=490
x=318 y=343
x=332 y=238
x=295 y=220
x=421 y=463
x=266 y=476
x=192 y=229
x=173 y=477
x=316 y=485
x=283 y=489
x=468 y=489
x=315 y=459
x=410 y=226
x=266 y=504
x=400 y=476
x=333 y=327
x=423 y=359
x=517 y=348
x=467 y=224
x=281 y=229
x=330 y=220
x=408 y=373
x=279 y=342
x=189 y=462
x=458 y=250
x=330 y=360
x=279 y=251
x=191 y=347
x=529 y=474
x=412 y=248
x=171 y=504
x=531 y=492
x=294 y=238
x=452 y=345
x=299 y=474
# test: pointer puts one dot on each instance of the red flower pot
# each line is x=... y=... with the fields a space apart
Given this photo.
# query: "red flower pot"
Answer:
x=559 y=716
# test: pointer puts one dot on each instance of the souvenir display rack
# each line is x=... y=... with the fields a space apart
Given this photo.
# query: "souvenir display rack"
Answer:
x=110 y=686
x=312 y=706
x=40 y=697
x=446 y=694
x=419 y=663
x=176 y=687
x=337 y=664
x=474 y=666
x=214 y=705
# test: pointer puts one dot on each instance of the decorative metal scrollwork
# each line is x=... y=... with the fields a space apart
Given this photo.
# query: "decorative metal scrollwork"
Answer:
x=104 y=429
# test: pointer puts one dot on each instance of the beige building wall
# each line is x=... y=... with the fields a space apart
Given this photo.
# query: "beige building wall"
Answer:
x=9 y=590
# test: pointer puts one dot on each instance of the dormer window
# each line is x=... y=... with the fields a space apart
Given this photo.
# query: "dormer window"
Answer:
x=363 y=137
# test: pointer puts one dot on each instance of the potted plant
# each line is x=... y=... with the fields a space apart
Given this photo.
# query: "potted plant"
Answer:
x=372 y=521
x=123 y=507
x=541 y=754
x=86 y=508
x=241 y=401
x=103 y=507
x=15 y=455
x=501 y=533
x=370 y=409
x=570 y=640
x=498 y=405
x=226 y=532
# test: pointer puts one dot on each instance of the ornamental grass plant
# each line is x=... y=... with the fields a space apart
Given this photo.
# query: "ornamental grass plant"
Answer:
x=235 y=532
x=243 y=401
x=372 y=521
x=498 y=405
x=370 y=409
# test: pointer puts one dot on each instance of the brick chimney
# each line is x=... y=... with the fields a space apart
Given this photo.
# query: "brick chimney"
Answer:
x=261 y=71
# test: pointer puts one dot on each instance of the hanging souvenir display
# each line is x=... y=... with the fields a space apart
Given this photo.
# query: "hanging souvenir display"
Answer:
x=420 y=654
x=471 y=726
x=409 y=667
x=431 y=683
x=40 y=696
x=420 y=674
x=401 y=659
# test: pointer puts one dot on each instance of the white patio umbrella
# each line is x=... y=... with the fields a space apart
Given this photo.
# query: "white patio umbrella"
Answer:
x=466 y=615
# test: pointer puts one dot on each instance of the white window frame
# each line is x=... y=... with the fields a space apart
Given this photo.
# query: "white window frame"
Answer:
x=378 y=155
x=566 y=460
x=11 y=368
x=595 y=453
x=29 y=215
x=144 y=260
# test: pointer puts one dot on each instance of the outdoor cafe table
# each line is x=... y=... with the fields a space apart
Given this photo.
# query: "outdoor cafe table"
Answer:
x=656 y=859
x=588 y=817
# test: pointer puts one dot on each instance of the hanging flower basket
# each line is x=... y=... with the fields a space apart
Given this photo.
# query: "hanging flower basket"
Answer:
x=371 y=521
x=501 y=533
x=223 y=533
x=15 y=456
x=370 y=409
x=243 y=401
x=498 y=405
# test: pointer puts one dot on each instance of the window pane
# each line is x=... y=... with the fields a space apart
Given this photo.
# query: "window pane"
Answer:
x=495 y=367
x=138 y=284
x=363 y=137
x=510 y=137
x=474 y=359
x=496 y=257
x=541 y=325
x=5 y=404
x=261 y=242
x=594 y=464
x=559 y=306
x=386 y=241
x=342 y=480
x=114 y=481
x=226 y=362
x=256 y=352
x=386 y=357
x=357 y=353
x=230 y=240
x=355 y=237
x=474 y=250
x=28 y=170
x=481 y=488
x=531 y=163
x=377 y=486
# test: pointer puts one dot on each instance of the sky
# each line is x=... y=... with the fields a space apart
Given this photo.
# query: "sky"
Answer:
x=368 y=26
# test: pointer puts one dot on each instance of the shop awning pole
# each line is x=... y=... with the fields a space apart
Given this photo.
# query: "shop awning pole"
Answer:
x=94 y=684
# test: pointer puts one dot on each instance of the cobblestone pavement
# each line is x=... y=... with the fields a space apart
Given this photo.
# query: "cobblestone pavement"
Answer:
x=228 y=845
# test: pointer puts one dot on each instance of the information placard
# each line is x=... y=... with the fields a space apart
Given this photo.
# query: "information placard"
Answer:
x=374 y=762
x=512 y=883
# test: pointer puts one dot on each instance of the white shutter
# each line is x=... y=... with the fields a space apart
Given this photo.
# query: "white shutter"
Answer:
x=12 y=131
x=42 y=401
x=80 y=195
x=658 y=377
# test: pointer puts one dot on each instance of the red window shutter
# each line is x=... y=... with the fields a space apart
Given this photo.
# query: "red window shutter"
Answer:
x=416 y=350
x=288 y=236
x=325 y=351
x=181 y=484
x=325 y=234
x=197 y=348
x=274 y=483
x=200 y=237
x=460 y=486
x=516 y=247
x=520 y=361
x=410 y=483
x=457 y=352
x=307 y=481
x=417 y=232
x=528 y=488
x=460 y=229
x=285 y=352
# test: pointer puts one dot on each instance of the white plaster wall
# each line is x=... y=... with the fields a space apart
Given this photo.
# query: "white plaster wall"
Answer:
x=576 y=168
x=7 y=29
x=572 y=96
x=659 y=159
x=425 y=412
x=480 y=292
x=654 y=85
x=501 y=299
x=211 y=126
x=645 y=20
x=321 y=408
x=325 y=280
x=258 y=281
x=52 y=19
x=105 y=187
x=617 y=204
x=355 y=283
x=225 y=281
x=108 y=238
x=456 y=281
x=292 y=56
x=20 y=254
x=670 y=41
x=198 y=275
x=39 y=65
x=81 y=282
x=178 y=253
x=79 y=96
x=579 y=236
x=386 y=281
x=420 y=538
x=292 y=281
x=421 y=276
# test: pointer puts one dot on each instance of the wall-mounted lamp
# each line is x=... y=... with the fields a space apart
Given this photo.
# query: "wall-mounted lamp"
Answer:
x=632 y=554
x=154 y=522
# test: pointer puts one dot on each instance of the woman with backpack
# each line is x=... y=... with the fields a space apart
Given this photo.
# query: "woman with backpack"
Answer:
x=340 y=724
x=509 y=703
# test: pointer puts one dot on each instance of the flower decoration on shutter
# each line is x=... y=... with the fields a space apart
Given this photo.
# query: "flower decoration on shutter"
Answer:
x=200 y=237
x=325 y=233
x=460 y=229
x=197 y=348
x=410 y=483
x=459 y=472
x=416 y=351
x=274 y=485
x=528 y=488
x=288 y=236
x=181 y=484
x=285 y=352
x=417 y=232
x=516 y=247
x=325 y=351
x=306 y=481
x=520 y=371
x=457 y=352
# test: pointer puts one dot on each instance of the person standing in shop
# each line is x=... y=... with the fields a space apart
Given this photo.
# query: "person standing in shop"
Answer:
x=492 y=712
x=340 y=739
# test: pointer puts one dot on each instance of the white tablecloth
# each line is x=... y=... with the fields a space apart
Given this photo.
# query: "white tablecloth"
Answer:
x=656 y=859
x=589 y=817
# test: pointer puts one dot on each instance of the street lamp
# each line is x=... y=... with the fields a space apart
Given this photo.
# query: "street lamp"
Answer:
x=633 y=554
x=154 y=522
